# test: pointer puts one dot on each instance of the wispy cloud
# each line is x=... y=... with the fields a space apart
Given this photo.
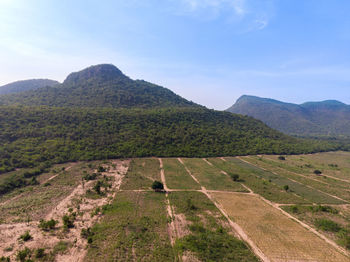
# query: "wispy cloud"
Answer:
x=248 y=15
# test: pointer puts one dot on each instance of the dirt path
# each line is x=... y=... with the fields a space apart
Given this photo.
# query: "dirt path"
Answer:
x=336 y=197
x=206 y=160
x=9 y=233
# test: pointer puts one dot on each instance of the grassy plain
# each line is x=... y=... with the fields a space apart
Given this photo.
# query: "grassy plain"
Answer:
x=280 y=238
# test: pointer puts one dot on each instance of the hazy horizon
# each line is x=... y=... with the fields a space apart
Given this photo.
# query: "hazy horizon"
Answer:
x=208 y=51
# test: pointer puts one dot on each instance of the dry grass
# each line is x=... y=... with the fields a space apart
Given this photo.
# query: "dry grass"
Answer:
x=280 y=238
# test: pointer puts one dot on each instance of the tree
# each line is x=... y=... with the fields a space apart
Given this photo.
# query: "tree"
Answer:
x=286 y=187
x=157 y=186
x=235 y=177
x=281 y=158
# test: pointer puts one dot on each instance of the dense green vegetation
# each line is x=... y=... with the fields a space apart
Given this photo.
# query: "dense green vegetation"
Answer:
x=39 y=136
x=320 y=119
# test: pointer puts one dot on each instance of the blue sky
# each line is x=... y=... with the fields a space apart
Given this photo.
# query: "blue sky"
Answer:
x=209 y=51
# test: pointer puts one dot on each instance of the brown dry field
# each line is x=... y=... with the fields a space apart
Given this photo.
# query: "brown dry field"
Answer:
x=279 y=237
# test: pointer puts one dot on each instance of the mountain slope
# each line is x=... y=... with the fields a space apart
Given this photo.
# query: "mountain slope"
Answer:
x=32 y=135
x=25 y=85
x=99 y=86
x=327 y=118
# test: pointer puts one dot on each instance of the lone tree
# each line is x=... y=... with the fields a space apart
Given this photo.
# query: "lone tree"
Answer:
x=281 y=158
x=286 y=187
x=234 y=177
x=157 y=186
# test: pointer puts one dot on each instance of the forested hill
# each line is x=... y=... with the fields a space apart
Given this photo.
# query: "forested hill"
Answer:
x=33 y=135
x=327 y=118
x=25 y=85
x=99 y=86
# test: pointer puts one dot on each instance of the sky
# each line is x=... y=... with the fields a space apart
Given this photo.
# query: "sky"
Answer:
x=208 y=51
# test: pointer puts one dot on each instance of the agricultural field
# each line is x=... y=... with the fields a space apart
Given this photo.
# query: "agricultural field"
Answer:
x=252 y=208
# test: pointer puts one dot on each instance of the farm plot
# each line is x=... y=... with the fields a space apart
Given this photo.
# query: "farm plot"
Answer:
x=141 y=174
x=333 y=164
x=134 y=226
x=258 y=184
x=210 y=176
x=279 y=237
x=338 y=189
x=204 y=233
x=177 y=176
x=300 y=189
x=332 y=221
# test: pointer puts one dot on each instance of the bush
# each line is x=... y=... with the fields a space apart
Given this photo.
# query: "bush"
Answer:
x=234 y=177
x=89 y=177
x=4 y=259
x=281 y=158
x=26 y=236
x=286 y=187
x=317 y=172
x=101 y=169
x=48 y=225
x=40 y=253
x=24 y=255
x=68 y=221
x=157 y=185
x=327 y=225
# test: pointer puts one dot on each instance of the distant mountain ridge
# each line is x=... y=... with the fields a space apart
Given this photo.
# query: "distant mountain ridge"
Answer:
x=26 y=85
x=325 y=118
x=100 y=86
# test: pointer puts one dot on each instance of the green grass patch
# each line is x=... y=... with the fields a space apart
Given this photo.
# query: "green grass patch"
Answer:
x=141 y=174
x=177 y=176
x=259 y=184
x=211 y=177
x=134 y=228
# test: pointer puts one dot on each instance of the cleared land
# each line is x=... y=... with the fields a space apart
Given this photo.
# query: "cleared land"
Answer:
x=280 y=238
x=177 y=176
x=142 y=172
x=210 y=176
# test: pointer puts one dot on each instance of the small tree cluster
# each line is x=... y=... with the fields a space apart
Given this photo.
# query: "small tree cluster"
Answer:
x=157 y=186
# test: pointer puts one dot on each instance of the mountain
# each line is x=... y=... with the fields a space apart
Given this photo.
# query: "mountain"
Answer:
x=25 y=85
x=99 y=86
x=326 y=118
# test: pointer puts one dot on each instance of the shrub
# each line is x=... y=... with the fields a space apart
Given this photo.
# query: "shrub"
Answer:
x=4 y=259
x=68 y=221
x=157 y=185
x=286 y=187
x=89 y=177
x=281 y=158
x=24 y=255
x=48 y=225
x=327 y=225
x=234 y=177
x=40 y=253
x=101 y=169
x=26 y=236
x=317 y=172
